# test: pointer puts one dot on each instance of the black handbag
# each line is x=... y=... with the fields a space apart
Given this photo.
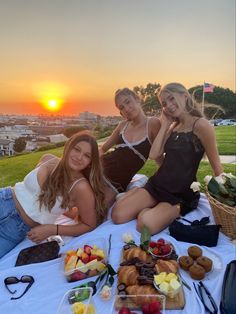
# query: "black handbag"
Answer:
x=38 y=253
x=201 y=234
x=228 y=300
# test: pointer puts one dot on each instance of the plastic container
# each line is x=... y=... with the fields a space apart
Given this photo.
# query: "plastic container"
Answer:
x=171 y=293
x=73 y=297
x=135 y=302
x=79 y=265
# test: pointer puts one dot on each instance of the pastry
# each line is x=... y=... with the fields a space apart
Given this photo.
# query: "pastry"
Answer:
x=136 y=252
x=205 y=262
x=170 y=266
x=143 y=293
x=197 y=272
x=128 y=275
x=194 y=251
x=185 y=262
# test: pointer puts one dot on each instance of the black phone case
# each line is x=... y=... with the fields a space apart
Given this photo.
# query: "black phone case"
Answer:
x=228 y=295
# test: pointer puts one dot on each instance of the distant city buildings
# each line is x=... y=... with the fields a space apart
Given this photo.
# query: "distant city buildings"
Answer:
x=41 y=130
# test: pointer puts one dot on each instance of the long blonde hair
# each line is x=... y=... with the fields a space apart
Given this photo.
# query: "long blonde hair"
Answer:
x=59 y=180
x=125 y=92
x=191 y=106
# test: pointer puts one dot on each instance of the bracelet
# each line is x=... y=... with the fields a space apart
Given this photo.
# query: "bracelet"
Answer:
x=57 y=229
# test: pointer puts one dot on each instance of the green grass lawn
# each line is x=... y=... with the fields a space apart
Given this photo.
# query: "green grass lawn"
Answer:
x=226 y=139
x=13 y=169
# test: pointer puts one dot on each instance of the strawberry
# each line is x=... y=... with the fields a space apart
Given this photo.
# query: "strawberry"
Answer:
x=78 y=275
x=161 y=241
x=145 y=308
x=152 y=244
x=156 y=251
x=166 y=249
x=92 y=257
x=124 y=310
x=154 y=307
x=87 y=249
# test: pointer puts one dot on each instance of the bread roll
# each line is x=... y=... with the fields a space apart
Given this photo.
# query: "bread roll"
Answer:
x=170 y=266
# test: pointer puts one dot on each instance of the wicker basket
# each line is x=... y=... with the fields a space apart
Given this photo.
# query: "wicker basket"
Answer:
x=224 y=215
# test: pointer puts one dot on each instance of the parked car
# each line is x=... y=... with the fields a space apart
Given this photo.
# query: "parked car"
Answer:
x=227 y=122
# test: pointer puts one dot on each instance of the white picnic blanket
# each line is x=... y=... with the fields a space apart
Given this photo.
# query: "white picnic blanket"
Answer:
x=50 y=283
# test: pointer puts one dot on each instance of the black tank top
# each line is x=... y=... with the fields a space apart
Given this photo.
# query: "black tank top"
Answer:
x=121 y=164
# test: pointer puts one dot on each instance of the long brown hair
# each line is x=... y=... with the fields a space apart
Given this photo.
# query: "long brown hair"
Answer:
x=60 y=180
x=191 y=105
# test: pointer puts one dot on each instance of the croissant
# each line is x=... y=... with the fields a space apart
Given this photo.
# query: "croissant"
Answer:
x=144 y=293
x=170 y=266
x=128 y=275
x=136 y=252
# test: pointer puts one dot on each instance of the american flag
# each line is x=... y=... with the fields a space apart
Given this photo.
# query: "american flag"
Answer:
x=208 y=88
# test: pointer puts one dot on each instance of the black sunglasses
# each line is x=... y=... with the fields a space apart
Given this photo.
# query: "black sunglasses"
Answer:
x=206 y=298
x=12 y=280
x=202 y=222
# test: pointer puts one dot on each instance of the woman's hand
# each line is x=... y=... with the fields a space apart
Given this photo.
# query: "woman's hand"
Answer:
x=166 y=119
x=41 y=232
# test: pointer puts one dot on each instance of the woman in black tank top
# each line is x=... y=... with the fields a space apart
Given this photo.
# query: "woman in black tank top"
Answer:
x=132 y=141
x=183 y=138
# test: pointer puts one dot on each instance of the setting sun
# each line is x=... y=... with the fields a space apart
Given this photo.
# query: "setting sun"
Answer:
x=53 y=104
x=51 y=95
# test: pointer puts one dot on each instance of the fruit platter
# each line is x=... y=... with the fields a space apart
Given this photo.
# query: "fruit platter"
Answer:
x=85 y=261
x=149 y=269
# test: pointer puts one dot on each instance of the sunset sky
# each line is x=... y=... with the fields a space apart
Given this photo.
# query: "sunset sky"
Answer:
x=74 y=54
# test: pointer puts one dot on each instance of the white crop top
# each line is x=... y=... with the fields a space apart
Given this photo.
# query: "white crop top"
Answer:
x=27 y=193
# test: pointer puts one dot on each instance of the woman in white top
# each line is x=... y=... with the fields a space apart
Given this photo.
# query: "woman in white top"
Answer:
x=52 y=188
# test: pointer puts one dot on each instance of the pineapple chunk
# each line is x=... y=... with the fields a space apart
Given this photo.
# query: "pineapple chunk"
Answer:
x=164 y=287
x=71 y=263
x=171 y=276
x=175 y=284
x=160 y=278
x=92 y=264
x=79 y=252
x=78 y=308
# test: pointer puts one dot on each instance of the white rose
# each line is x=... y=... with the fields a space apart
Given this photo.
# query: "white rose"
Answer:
x=195 y=186
x=127 y=237
x=105 y=293
x=207 y=179
x=229 y=175
x=220 y=178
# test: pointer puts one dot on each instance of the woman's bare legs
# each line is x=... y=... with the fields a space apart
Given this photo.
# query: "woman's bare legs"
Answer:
x=131 y=204
x=157 y=218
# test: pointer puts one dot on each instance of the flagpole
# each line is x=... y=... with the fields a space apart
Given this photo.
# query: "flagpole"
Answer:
x=203 y=94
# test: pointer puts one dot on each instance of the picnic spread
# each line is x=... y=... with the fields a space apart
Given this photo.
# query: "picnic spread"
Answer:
x=170 y=273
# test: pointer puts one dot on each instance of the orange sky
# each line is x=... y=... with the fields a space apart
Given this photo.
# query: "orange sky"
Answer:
x=80 y=52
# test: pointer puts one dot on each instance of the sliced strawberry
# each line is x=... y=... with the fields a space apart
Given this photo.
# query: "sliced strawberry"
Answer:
x=145 y=308
x=87 y=249
x=161 y=241
x=92 y=257
x=124 y=310
x=154 y=307
x=156 y=251
x=152 y=244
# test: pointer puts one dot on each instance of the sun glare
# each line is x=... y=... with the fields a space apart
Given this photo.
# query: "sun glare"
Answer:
x=52 y=96
x=53 y=105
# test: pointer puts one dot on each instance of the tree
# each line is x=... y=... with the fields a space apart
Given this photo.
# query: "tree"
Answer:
x=149 y=100
x=19 y=145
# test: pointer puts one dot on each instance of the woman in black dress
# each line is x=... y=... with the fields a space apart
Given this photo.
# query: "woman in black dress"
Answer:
x=183 y=138
x=131 y=142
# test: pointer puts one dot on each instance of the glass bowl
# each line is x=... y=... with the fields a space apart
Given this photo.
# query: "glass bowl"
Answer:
x=162 y=250
x=135 y=302
x=86 y=260
x=169 y=291
x=79 y=297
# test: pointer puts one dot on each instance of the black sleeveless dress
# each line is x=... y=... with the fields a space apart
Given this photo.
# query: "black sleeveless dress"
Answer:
x=121 y=164
x=171 y=183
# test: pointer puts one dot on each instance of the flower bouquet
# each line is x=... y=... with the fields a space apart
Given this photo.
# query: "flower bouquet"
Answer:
x=221 y=194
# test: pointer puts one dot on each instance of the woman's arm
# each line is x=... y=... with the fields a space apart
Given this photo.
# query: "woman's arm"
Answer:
x=83 y=198
x=206 y=134
x=112 y=140
x=157 y=148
